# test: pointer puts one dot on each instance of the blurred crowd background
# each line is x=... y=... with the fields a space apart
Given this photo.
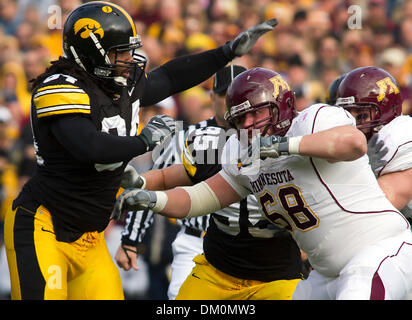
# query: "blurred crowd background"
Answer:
x=314 y=43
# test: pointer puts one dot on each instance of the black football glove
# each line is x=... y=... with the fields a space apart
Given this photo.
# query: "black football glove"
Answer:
x=133 y=200
x=157 y=129
x=376 y=152
x=246 y=40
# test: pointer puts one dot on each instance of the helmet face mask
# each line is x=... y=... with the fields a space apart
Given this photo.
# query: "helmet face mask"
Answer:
x=367 y=118
x=266 y=122
x=263 y=91
x=96 y=30
x=114 y=70
x=372 y=96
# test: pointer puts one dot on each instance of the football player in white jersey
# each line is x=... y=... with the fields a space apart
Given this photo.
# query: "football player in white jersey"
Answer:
x=372 y=96
x=313 y=178
x=212 y=257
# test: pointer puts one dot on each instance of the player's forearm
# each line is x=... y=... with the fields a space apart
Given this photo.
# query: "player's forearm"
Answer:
x=154 y=179
x=79 y=136
x=178 y=74
x=180 y=70
x=397 y=187
x=390 y=192
x=166 y=178
x=183 y=202
x=187 y=202
x=198 y=200
x=178 y=204
x=343 y=143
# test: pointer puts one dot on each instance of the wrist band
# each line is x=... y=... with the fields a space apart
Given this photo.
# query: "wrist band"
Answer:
x=161 y=200
x=294 y=143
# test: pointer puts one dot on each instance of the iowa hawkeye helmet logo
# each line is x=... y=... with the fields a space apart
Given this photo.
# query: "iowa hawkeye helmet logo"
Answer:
x=88 y=26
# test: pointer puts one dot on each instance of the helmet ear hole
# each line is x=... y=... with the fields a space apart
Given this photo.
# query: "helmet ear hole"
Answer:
x=289 y=103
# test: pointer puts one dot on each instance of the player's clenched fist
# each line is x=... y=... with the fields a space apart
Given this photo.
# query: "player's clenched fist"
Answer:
x=156 y=130
x=133 y=200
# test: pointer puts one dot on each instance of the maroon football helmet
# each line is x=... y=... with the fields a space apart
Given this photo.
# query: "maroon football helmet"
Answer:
x=261 y=88
x=372 y=95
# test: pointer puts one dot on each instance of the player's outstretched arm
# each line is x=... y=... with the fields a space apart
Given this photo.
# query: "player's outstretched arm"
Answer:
x=342 y=143
x=160 y=179
x=184 y=72
x=182 y=202
x=156 y=179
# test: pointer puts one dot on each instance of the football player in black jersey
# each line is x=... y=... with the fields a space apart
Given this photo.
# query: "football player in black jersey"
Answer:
x=244 y=257
x=84 y=117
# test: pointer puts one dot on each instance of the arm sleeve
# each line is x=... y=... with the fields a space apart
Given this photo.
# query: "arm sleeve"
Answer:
x=181 y=74
x=329 y=117
x=80 y=137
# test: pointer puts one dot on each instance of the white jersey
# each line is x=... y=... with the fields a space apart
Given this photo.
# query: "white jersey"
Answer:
x=397 y=136
x=332 y=209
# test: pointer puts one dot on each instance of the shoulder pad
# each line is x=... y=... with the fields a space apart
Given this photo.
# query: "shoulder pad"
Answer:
x=397 y=137
x=60 y=94
x=319 y=117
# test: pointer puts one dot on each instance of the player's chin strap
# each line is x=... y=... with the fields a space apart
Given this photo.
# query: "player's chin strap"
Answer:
x=99 y=47
x=76 y=58
x=121 y=80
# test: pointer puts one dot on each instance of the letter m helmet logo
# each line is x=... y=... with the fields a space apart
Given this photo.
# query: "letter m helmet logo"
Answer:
x=278 y=83
x=386 y=86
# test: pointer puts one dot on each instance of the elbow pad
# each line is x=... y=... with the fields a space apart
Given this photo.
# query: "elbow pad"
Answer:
x=203 y=200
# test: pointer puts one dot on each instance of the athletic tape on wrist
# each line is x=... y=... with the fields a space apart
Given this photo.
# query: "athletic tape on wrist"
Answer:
x=294 y=143
x=161 y=200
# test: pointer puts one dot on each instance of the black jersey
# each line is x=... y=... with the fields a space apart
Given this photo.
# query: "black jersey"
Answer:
x=84 y=136
x=239 y=240
x=78 y=192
